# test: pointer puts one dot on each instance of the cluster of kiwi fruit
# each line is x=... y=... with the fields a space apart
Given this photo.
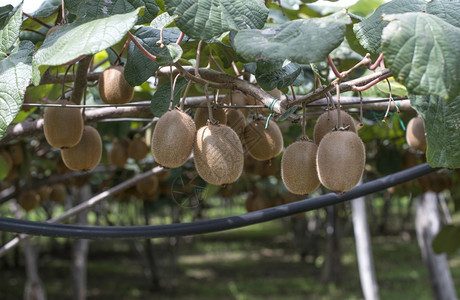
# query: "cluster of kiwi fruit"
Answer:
x=31 y=199
x=217 y=145
x=13 y=156
x=335 y=159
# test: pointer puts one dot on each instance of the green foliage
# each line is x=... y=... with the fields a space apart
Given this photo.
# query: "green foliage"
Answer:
x=15 y=74
x=300 y=41
x=10 y=32
x=441 y=127
x=447 y=240
x=206 y=19
x=161 y=99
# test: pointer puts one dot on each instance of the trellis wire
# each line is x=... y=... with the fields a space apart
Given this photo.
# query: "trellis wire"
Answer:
x=214 y=225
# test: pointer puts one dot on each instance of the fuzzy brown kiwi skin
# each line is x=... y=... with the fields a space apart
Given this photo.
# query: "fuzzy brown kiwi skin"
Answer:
x=138 y=149
x=173 y=139
x=327 y=122
x=237 y=121
x=63 y=126
x=86 y=154
x=29 y=200
x=263 y=144
x=415 y=134
x=298 y=167
x=118 y=155
x=340 y=160
x=113 y=88
x=218 y=154
x=202 y=116
x=148 y=185
x=237 y=98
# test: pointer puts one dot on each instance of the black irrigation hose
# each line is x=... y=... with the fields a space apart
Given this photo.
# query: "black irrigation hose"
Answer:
x=200 y=227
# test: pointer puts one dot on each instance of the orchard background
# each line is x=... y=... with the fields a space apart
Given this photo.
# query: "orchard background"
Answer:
x=383 y=63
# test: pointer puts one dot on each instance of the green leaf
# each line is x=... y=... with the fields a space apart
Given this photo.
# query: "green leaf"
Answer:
x=169 y=54
x=162 y=97
x=281 y=78
x=441 y=127
x=47 y=8
x=138 y=67
x=161 y=21
x=104 y=8
x=448 y=10
x=447 y=240
x=421 y=51
x=300 y=41
x=10 y=33
x=206 y=19
x=15 y=74
x=369 y=31
x=6 y=12
x=66 y=44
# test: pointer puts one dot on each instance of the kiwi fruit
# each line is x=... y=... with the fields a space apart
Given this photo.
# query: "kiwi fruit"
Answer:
x=6 y=156
x=237 y=98
x=218 y=154
x=261 y=168
x=340 y=160
x=44 y=192
x=63 y=126
x=29 y=200
x=173 y=139
x=58 y=193
x=86 y=154
x=113 y=88
x=298 y=167
x=138 y=148
x=148 y=185
x=415 y=134
x=118 y=155
x=202 y=115
x=236 y=121
x=16 y=153
x=261 y=143
x=327 y=122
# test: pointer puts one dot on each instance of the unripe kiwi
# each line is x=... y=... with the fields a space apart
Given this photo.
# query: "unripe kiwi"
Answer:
x=237 y=98
x=298 y=167
x=29 y=200
x=328 y=121
x=63 y=126
x=173 y=139
x=218 y=154
x=236 y=121
x=202 y=116
x=118 y=155
x=138 y=149
x=58 y=193
x=415 y=134
x=113 y=88
x=263 y=144
x=340 y=160
x=148 y=185
x=86 y=154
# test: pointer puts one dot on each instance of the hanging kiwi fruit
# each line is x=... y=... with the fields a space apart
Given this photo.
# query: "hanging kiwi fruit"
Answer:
x=118 y=155
x=327 y=122
x=29 y=200
x=148 y=186
x=173 y=138
x=138 y=148
x=63 y=126
x=218 y=154
x=237 y=98
x=340 y=160
x=202 y=115
x=263 y=143
x=415 y=134
x=113 y=87
x=86 y=154
x=236 y=121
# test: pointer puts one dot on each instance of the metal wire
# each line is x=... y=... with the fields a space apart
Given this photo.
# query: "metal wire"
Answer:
x=207 y=226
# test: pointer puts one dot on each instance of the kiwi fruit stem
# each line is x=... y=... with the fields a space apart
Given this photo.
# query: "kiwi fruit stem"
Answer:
x=339 y=117
x=208 y=100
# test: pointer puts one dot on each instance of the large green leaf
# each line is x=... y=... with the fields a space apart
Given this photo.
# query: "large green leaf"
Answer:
x=6 y=12
x=84 y=36
x=47 y=8
x=448 y=10
x=421 y=51
x=162 y=97
x=300 y=41
x=104 y=8
x=138 y=67
x=15 y=74
x=281 y=78
x=10 y=33
x=369 y=31
x=206 y=19
x=441 y=127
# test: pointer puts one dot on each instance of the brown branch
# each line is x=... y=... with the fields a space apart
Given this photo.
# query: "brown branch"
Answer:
x=80 y=79
x=49 y=78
